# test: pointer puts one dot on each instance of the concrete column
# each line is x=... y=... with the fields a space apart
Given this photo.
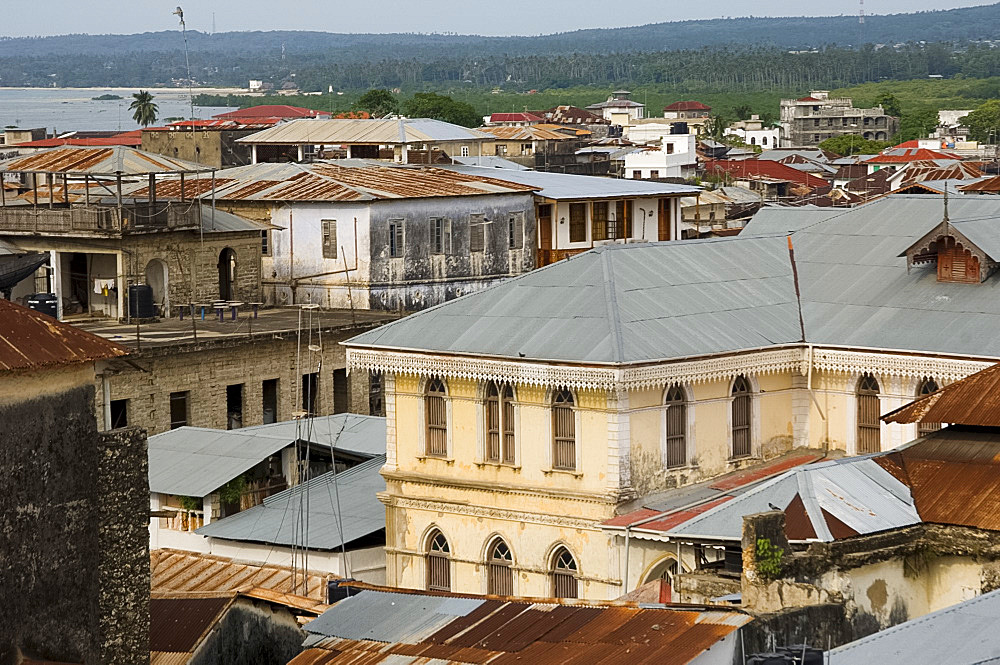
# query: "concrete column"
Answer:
x=301 y=153
x=801 y=408
x=54 y=261
x=253 y=154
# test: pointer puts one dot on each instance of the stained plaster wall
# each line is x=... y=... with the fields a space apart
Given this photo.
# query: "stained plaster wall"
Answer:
x=73 y=522
x=251 y=633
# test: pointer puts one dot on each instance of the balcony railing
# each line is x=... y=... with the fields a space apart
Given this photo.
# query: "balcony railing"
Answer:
x=100 y=220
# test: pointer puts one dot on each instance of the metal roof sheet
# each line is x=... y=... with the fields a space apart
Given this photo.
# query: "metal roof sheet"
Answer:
x=180 y=624
x=32 y=340
x=356 y=131
x=528 y=133
x=106 y=161
x=565 y=186
x=970 y=401
x=963 y=634
x=360 y=512
x=390 y=627
x=196 y=461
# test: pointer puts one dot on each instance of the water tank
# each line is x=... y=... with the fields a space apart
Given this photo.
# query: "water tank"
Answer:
x=335 y=592
x=770 y=659
x=44 y=303
x=140 y=302
x=678 y=128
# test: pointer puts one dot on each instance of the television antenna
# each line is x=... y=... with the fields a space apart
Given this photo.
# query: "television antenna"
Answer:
x=179 y=13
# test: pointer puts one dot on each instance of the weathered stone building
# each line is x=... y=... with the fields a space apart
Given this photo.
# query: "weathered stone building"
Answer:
x=816 y=117
x=74 y=555
x=248 y=371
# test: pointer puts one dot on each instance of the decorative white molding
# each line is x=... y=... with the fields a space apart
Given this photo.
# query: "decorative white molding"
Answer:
x=890 y=364
x=580 y=377
x=714 y=368
x=494 y=513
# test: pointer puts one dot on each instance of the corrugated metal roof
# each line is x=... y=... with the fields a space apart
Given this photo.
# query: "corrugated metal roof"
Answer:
x=196 y=461
x=975 y=400
x=347 y=180
x=107 y=161
x=31 y=340
x=565 y=186
x=177 y=571
x=388 y=627
x=381 y=132
x=963 y=634
x=273 y=111
x=361 y=513
x=180 y=624
x=528 y=133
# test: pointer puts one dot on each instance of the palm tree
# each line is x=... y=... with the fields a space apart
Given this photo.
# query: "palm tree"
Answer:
x=145 y=109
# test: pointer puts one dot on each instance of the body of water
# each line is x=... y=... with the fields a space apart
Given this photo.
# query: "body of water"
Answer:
x=64 y=110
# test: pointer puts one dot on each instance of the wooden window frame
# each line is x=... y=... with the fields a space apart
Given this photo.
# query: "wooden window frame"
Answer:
x=265 y=243
x=564 y=444
x=438 y=562
x=515 y=230
x=440 y=235
x=499 y=424
x=675 y=427
x=563 y=572
x=741 y=427
x=477 y=233
x=180 y=395
x=499 y=568
x=869 y=422
x=329 y=231
x=436 y=418
x=397 y=238
x=927 y=386
x=599 y=220
x=578 y=222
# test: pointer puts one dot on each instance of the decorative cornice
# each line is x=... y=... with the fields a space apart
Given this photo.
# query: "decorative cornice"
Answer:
x=888 y=364
x=436 y=482
x=580 y=377
x=493 y=513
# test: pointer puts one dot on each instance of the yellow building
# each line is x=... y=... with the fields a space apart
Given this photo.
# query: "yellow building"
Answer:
x=521 y=417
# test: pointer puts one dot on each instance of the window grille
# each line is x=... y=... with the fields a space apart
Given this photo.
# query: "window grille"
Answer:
x=437 y=419
x=563 y=431
x=927 y=386
x=438 y=563
x=742 y=418
x=564 y=583
x=676 y=425
x=500 y=573
x=869 y=426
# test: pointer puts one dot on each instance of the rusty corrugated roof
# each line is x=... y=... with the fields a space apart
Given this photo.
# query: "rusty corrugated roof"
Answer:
x=415 y=627
x=351 y=181
x=107 y=161
x=178 y=625
x=974 y=400
x=525 y=133
x=31 y=340
x=174 y=570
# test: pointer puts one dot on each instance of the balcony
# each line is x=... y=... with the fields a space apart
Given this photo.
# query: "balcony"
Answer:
x=101 y=220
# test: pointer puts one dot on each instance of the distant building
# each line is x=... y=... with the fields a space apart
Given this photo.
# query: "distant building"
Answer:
x=812 y=119
x=675 y=157
x=753 y=132
x=273 y=111
x=619 y=109
x=513 y=119
x=13 y=135
x=211 y=143
x=686 y=110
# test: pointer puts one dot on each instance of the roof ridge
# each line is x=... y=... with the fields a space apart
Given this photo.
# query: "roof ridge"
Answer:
x=611 y=303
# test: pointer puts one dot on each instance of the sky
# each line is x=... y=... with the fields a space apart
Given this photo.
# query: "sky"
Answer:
x=20 y=19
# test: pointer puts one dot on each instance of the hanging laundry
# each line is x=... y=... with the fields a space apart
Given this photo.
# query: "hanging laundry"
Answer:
x=104 y=287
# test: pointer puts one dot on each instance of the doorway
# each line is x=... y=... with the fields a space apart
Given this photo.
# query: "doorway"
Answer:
x=227 y=274
x=157 y=279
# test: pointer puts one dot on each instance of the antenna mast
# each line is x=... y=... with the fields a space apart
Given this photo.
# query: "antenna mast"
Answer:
x=179 y=13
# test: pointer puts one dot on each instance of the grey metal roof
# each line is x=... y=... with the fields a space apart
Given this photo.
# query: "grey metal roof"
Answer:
x=220 y=221
x=489 y=161
x=777 y=154
x=857 y=491
x=274 y=521
x=566 y=186
x=390 y=617
x=374 y=131
x=647 y=302
x=350 y=432
x=196 y=461
x=617 y=304
x=963 y=634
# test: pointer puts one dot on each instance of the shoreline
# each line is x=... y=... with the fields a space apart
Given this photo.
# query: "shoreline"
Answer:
x=183 y=91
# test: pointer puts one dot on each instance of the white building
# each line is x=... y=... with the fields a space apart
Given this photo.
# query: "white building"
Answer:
x=674 y=158
x=618 y=109
x=753 y=132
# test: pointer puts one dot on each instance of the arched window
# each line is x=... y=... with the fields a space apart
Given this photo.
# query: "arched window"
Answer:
x=742 y=417
x=868 y=415
x=438 y=562
x=927 y=386
x=500 y=571
x=763 y=140
x=676 y=424
x=499 y=418
x=564 y=583
x=437 y=419
x=563 y=431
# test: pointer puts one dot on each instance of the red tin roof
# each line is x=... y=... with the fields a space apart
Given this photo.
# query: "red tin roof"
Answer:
x=273 y=111
x=763 y=169
x=687 y=106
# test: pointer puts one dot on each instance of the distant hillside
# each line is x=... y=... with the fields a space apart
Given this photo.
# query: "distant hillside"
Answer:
x=954 y=25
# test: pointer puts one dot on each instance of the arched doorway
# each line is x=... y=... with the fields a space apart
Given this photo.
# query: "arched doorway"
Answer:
x=227 y=274
x=157 y=277
x=663 y=572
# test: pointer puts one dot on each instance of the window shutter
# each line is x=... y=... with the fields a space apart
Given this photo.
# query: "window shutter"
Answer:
x=477 y=233
x=446 y=236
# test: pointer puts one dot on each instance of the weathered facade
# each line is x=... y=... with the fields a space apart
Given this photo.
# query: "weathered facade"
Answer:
x=816 y=117
x=74 y=555
x=209 y=146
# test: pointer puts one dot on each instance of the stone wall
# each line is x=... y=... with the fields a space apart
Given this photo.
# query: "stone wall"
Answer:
x=206 y=368
x=252 y=633
x=74 y=552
